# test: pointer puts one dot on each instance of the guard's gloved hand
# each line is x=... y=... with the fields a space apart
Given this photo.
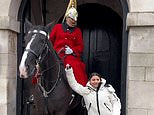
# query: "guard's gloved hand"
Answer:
x=68 y=50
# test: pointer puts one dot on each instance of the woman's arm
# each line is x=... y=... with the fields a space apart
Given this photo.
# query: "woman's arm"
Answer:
x=114 y=100
x=116 y=105
x=73 y=83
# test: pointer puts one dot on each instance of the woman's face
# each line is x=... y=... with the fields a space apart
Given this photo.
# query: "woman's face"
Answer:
x=71 y=22
x=94 y=81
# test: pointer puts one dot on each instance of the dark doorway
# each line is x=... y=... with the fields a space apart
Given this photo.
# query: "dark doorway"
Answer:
x=102 y=34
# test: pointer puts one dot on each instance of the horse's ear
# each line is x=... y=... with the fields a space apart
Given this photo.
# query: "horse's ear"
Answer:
x=28 y=25
x=50 y=26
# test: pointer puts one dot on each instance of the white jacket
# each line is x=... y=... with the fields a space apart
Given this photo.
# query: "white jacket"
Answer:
x=109 y=103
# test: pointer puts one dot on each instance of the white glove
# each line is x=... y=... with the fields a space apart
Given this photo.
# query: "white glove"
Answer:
x=68 y=50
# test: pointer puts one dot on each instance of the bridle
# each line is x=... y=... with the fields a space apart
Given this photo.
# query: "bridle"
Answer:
x=39 y=59
x=33 y=37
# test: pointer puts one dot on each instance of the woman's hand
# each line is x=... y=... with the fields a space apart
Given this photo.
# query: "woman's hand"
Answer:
x=68 y=67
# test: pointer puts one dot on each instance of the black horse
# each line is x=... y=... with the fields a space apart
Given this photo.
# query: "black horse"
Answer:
x=52 y=94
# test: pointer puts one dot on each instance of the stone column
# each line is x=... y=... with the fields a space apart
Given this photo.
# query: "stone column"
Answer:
x=9 y=27
x=140 y=78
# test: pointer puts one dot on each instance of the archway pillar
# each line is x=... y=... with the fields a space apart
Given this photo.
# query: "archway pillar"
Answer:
x=9 y=27
x=8 y=70
x=140 y=80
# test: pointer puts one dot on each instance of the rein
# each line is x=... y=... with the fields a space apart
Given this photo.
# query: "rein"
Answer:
x=46 y=93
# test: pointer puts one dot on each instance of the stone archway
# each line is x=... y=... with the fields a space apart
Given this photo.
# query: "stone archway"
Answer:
x=121 y=11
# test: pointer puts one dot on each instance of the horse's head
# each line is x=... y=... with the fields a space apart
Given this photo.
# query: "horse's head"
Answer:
x=36 y=42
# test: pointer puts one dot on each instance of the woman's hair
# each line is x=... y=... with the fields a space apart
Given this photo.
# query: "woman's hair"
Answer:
x=94 y=74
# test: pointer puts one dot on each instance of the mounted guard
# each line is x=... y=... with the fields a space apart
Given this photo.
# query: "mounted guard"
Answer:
x=68 y=42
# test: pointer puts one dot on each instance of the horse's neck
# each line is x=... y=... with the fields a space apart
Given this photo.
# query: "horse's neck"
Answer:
x=53 y=57
x=51 y=66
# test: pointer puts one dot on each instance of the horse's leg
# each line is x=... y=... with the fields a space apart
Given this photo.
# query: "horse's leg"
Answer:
x=39 y=102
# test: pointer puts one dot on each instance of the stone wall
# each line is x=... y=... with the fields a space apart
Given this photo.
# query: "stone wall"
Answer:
x=140 y=83
x=8 y=55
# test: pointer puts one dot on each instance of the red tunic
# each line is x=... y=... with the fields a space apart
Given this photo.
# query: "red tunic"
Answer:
x=59 y=39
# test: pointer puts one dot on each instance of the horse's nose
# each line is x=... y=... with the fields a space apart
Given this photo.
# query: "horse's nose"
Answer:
x=23 y=72
x=24 y=76
x=21 y=76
